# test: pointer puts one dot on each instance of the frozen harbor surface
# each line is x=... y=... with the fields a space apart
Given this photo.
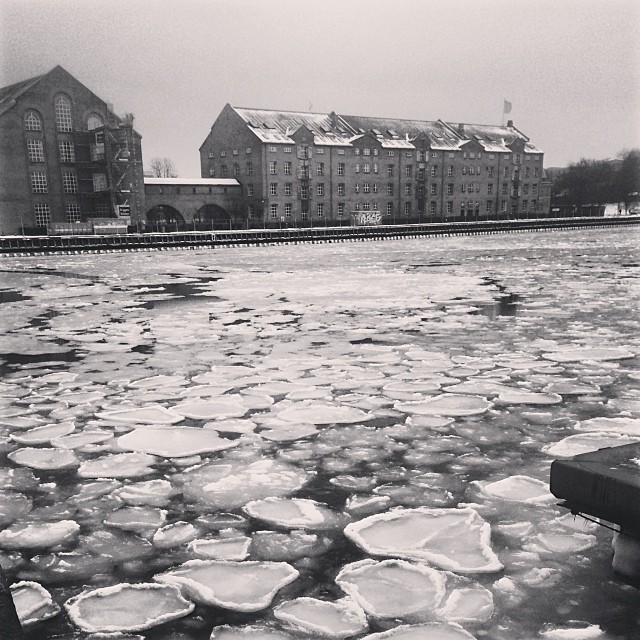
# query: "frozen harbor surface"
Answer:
x=316 y=441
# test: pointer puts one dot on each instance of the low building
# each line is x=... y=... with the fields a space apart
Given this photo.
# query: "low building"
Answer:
x=65 y=157
x=175 y=204
x=301 y=168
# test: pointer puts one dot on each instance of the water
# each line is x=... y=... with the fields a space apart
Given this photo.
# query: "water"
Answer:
x=340 y=322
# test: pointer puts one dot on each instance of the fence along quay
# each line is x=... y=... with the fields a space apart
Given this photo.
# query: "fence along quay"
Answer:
x=34 y=245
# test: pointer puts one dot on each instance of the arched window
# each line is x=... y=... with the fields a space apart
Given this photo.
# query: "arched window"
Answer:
x=32 y=121
x=94 y=121
x=64 y=120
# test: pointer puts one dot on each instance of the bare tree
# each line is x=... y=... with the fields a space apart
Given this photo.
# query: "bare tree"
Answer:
x=163 y=168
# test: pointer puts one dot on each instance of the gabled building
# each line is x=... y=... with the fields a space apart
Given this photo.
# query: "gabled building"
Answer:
x=65 y=157
x=314 y=168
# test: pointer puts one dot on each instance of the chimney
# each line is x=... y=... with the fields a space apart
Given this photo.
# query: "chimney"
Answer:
x=461 y=129
x=334 y=119
x=510 y=124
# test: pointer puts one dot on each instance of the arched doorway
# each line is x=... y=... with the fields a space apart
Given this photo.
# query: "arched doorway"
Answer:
x=164 y=217
x=212 y=216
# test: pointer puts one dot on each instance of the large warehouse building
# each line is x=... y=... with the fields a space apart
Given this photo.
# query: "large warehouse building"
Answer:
x=303 y=168
x=65 y=157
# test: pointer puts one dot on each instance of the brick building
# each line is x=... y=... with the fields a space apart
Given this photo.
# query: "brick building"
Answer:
x=312 y=168
x=65 y=156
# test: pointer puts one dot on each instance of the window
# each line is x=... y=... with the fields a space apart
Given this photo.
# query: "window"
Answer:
x=489 y=206
x=212 y=172
x=341 y=188
x=451 y=155
x=449 y=206
x=249 y=168
x=375 y=167
x=357 y=188
x=504 y=189
x=273 y=189
x=463 y=187
x=525 y=204
x=490 y=172
x=375 y=152
x=432 y=207
x=251 y=211
x=94 y=121
x=63 y=113
x=340 y=152
x=32 y=121
x=288 y=189
x=534 y=188
x=420 y=156
x=407 y=208
x=304 y=192
x=391 y=154
x=367 y=152
x=272 y=149
x=320 y=169
x=67 y=151
x=375 y=206
x=250 y=190
x=490 y=189
x=450 y=171
x=286 y=150
x=357 y=168
x=287 y=168
x=390 y=170
x=272 y=167
x=304 y=215
x=434 y=189
x=477 y=187
x=357 y=206
x=536 y=172
x=73 y=212
x=223 y=154
x=503 y=205
x=464 y=171
x=434 y=154
x=320 y=189
x=434 y=171
x=356 y=151
x=525 y=188
x=274 y=210
x=450 y=189
x=69 y=182
x=42 y=213
x=35 y=150
x=39 y=182
x=235 y=152
x=534 y=205
x=390 y=189
x=248 y=150
x=287 y=210
x=492 y=156
x=236 y=169
x=320 y=209
x=340 y=168
x=389 y=208
x=526 y=172
x=407 y=189
x=420 y=174
x=223 y=170
x=366 y=167
x=340 y=208
x=99 y=182
x=408 y=170
x=375 y=187
x=366 y=206
x=472 y=155
x=366 y=188
x=505 y=172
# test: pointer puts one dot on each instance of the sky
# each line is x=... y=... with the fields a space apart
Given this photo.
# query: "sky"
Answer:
x=570 y=68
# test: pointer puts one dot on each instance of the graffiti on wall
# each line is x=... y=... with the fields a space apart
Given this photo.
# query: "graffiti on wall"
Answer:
x=365 y=218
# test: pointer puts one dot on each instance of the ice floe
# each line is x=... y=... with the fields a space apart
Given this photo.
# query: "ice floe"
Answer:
x=152 y=414
x=580 y=354
x=324 y=414
x=228 y=485
x=220 y=408
x=447 y=405
x=520 y=489
x=425 y=631
x=38 y=535
x=339 y=619
x=174 y=442
x=141 y=520
x=174 y=535
x=227 y=548
x=153 y=493
x=13 y=506
x=44 y=434
x=625 y=426
x=295 y=513
x=227 y=632
x=521 y=396
x=118 y=465
x=44 y=458
x=454 y=539
x=33 y=602
x=127 y=607
x=587 y=442
x=240 y=586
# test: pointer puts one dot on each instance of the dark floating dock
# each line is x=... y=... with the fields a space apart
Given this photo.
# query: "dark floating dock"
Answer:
x=604 y=484
x=32 y=245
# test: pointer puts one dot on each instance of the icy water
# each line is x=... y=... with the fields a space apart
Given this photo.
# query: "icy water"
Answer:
x=266 y=401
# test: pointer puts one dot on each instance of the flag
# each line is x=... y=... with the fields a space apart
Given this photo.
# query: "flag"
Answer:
x=507 y=107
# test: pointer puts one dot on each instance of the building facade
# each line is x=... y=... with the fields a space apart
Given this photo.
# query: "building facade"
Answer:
x=300 y=168
x=65 y=157
x=175 y=204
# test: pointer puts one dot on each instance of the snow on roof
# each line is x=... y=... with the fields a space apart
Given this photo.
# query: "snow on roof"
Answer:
x=194 y=182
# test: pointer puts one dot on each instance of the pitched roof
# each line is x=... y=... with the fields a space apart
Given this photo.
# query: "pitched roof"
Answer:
x=9 y=94
x=272 y=126
x=192 y=182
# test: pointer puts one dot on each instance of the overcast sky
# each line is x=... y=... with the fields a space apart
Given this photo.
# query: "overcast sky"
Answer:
x=571 y=68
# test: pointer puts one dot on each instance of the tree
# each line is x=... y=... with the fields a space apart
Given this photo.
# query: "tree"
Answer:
x=627 y=184
x=163 y=168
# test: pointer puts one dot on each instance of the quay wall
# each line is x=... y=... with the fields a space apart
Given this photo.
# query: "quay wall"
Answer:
x=42 y=245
